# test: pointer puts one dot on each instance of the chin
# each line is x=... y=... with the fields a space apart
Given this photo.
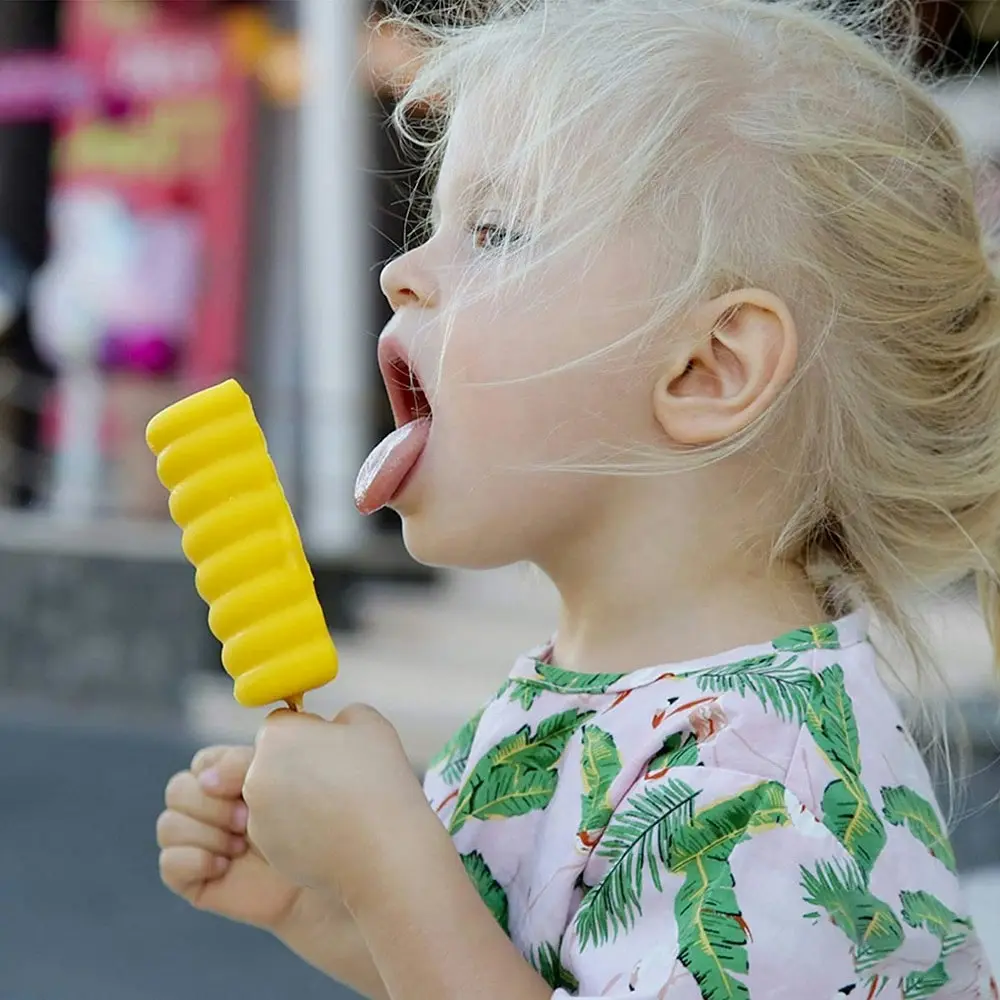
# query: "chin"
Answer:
x=454 y=547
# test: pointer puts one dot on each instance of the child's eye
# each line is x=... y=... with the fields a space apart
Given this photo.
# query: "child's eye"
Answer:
x=492 y=236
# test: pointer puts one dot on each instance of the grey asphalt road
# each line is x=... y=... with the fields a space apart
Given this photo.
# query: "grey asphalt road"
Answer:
x=82 y=913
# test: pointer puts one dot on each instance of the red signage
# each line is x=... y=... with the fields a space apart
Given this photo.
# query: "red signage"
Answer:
x=170 y=139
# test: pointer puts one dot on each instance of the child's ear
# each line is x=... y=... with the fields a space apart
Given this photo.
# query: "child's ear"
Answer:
x=733 y=373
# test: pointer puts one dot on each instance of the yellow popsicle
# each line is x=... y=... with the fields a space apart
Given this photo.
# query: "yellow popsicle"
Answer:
x=239 y=533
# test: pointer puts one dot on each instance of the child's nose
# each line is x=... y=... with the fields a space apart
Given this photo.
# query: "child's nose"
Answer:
x=404 y=283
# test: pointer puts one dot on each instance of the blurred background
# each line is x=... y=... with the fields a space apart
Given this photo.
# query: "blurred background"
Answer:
x=193 y=189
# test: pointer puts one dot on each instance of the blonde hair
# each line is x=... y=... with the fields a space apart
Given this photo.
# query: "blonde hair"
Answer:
x=794 y=152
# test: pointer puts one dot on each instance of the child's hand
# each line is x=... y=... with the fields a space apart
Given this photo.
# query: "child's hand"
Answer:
x=326 y=799
x=204 y=855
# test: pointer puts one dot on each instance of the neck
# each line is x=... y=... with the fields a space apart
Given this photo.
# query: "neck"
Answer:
x=628 y=603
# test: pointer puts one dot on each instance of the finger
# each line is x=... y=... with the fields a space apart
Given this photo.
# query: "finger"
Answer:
x=278 y=719
x=224 y=779
x=184 y=869
x=206 y=758
x=174 y=829
x=358 y=714
x=185 y=795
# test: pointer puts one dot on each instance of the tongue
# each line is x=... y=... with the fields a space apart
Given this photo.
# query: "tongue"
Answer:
x=388 y=465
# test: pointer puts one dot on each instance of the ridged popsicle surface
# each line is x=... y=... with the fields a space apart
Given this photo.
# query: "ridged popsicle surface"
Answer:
x=239 y=534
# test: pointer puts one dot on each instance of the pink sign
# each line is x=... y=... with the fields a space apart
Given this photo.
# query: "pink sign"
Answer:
x=170 y=140
x=43 y=85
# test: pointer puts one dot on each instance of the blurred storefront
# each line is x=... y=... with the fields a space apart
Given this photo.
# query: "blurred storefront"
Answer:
x=180 y=202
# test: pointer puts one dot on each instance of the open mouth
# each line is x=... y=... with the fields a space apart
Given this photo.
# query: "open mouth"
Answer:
x=407 y=397
x=388 y=469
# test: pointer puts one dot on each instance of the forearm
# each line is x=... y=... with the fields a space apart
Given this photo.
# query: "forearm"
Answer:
x=430 y=935
x=323 y=933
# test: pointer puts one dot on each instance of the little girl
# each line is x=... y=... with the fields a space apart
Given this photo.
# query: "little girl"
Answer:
x=704 y=327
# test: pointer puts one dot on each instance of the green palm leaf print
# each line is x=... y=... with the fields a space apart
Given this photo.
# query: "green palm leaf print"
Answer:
x=679 y=750
x=921 y=909
x=567 y=680
x=830 y=720
x=786 y=688
x=548 y=964
x=904 y=807
x=869 y=923
x=525 y=690
x=518 y=774
x=488 y=887
x=636 y=840
x=455 y=754
x=920 y=985
x=802 y=639
x=601 y=763
x=715 y=946
x=505 y=792
x=847 y=808
x=711 y=933
x=548 y=743
x=848 y=814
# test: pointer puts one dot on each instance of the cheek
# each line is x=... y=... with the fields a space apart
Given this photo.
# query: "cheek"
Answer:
x=514 y=390
x=585 y=413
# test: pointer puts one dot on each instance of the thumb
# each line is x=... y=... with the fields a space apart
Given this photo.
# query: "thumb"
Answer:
x=358 y=714
x=224 y=779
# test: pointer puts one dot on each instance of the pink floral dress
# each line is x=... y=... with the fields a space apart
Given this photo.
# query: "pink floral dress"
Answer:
x=757 y=825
